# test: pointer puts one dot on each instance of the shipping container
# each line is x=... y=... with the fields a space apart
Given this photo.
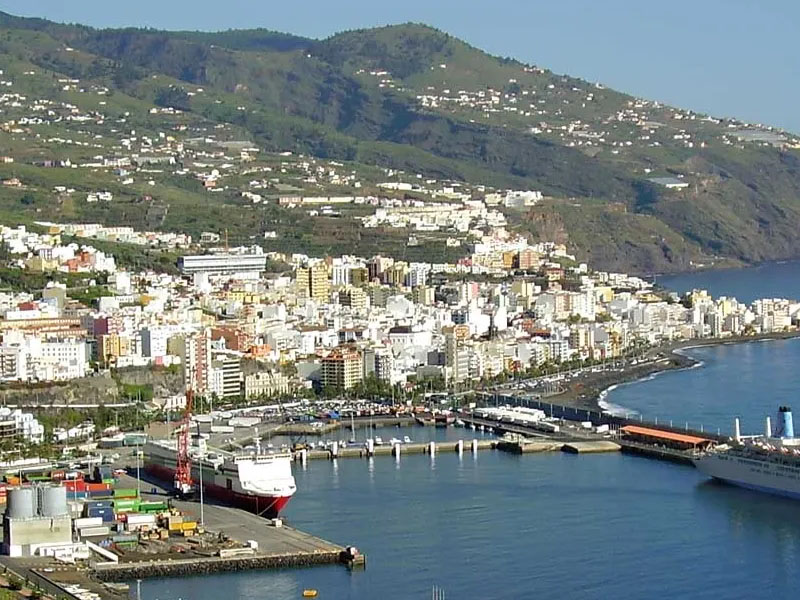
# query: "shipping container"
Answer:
x=95 y=487
x=126 y=493
x=88 y=522
x=95 y=531
x=189 y=525
x=75 y=484
x=138 y=519
x=107 y=517
x=152 y=507
x=106 y=514
x=99 y=512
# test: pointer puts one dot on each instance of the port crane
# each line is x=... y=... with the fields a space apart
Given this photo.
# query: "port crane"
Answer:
x=184 y=485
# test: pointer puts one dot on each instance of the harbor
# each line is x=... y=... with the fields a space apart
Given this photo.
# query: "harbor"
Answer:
x=128 y=525
x=144 y=532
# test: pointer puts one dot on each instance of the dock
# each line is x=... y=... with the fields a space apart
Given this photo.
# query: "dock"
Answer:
x=235 y=540
x=591 y=447
x=274 y=547
x=538 y=441
x=361 y=451
x=528 y=446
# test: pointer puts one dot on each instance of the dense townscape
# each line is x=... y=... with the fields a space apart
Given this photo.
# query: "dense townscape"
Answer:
x=328 y=325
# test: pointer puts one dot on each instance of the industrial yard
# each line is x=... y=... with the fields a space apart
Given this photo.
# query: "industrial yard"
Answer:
x=73 y=535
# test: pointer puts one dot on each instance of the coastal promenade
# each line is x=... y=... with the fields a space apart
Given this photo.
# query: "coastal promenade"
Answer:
x=584 y=390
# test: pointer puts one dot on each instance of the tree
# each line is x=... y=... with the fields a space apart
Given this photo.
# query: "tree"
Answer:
x=172 y=97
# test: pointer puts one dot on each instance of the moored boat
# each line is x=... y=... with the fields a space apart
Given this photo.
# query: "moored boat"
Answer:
x=261 y=483
x=768 y=463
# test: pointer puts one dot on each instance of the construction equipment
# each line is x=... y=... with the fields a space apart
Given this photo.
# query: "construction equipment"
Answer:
x=184 y=485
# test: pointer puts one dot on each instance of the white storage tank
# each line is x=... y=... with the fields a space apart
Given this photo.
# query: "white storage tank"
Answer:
x=53 y=501
x=21 y=503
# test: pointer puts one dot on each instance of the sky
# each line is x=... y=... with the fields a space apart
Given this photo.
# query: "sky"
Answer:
x=728 y=58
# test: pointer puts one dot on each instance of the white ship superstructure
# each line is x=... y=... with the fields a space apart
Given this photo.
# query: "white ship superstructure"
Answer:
x=768 y=463
x=261 y=482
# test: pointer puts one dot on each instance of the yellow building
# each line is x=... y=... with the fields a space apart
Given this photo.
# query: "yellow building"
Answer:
x=313 y=282
x=354 y=297
x=342 y=368
x=112 y=346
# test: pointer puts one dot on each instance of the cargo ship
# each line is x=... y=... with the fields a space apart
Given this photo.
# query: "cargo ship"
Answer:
x=261 y=483
x=767 y=463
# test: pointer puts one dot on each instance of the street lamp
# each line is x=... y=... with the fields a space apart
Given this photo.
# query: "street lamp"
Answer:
x=202 y=514
x=138 y=478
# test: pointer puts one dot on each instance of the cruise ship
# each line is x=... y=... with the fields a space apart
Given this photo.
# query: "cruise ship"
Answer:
x=769 y=463
x=261 y=483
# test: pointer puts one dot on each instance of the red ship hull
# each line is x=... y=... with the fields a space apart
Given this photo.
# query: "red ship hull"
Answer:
x=265 y=506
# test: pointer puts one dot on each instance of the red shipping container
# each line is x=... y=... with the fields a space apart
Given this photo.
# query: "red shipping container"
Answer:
x=58 y=475
x=98 y=487
x=75 y=485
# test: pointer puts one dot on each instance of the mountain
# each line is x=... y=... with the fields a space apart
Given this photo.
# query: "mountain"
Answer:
x=412 y=98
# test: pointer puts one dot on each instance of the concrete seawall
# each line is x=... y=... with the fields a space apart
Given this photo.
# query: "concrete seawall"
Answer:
x=203 y=566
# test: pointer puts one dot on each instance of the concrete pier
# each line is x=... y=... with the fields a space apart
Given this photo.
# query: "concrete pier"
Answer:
x=590 y=447
x=365 y=451
x=277 y=547
x=529 y=446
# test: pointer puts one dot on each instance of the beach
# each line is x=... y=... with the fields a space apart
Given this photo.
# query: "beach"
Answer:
x=588 y=390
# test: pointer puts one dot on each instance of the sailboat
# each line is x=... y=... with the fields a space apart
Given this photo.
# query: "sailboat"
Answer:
x=352 y=430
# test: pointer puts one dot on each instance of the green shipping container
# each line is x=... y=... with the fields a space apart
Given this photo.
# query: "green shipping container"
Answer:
x=125 y=493
x=126 y=504
x=151 y=507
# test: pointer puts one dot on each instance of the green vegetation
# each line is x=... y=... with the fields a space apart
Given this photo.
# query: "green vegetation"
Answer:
x=355 y=98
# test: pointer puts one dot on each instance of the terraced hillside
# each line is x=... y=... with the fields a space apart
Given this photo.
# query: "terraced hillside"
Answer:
x=413 y=99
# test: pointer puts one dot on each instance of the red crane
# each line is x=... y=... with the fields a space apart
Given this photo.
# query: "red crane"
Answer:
x=183 y=471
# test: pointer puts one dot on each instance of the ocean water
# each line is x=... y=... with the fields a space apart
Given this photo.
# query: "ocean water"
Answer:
x=748 y=381
x=770 y=280
x=535 y=526
x=558 y=526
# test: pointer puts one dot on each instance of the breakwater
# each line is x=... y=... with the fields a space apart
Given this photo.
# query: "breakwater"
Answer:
x=172 y=567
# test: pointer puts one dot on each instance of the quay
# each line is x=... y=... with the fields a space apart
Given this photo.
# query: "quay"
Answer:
x=525 y=446
x=273 y=543
x=659 y=442
x=262 y=545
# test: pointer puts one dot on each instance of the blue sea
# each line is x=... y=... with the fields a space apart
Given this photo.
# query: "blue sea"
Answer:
x=498 y=526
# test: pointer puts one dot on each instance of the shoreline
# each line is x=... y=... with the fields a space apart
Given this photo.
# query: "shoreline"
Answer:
x=589 y=392
x=727 y=265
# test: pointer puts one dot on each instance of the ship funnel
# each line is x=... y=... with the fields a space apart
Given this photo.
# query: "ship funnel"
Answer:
x=785 y=427
x=737 y=430
x=768 y=428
